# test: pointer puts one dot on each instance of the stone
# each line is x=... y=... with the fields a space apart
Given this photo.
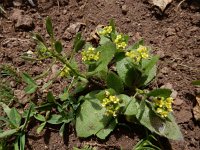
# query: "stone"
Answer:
x=170 y=32
x=21 y=96
x=67 y=36
x=75 y=27
x=178 y=102
x=124 y=9
x=21 y=21
x=174 y=94
x=17 y=3
x=164 y=70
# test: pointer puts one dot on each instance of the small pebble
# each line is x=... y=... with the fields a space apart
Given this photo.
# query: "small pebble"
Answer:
x=64 y=12
x=178 y=102
x=124 y=9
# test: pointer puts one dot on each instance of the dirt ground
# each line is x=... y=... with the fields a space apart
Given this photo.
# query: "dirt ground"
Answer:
x=173 y=34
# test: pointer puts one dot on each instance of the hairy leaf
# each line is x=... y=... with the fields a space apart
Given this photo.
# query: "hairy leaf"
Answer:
x=8 y=133
x=49 y=27
x=32 y=86
x=55 y=119
x=41 y=127
x=88 y=123
x=132 y=107
x=103 y=133
x=58 y=46
x=197 y=82
x=160 y=93
x=107 y=52
x=164 y=127
x=128 y=73
x=114 y=82
x=78 y=42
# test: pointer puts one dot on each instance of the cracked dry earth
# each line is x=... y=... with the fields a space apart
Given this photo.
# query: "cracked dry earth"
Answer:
x=174 y=35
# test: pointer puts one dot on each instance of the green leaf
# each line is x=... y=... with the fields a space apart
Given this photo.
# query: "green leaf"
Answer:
x=38 y=38
x=107 y=52
x=16 y=144
x=22 y=141
x=41 y=127
x=32 y=86
x=8 y=133
x=78 y=42
x=147 y=144
x=3 y=145
x=28 y=79
x=30 y=112
x=148 y=64
x=50 y=97
x=114 y=82
x=102 y=94
x=103 y=40
x=160 y=93
x=49 y=27
x=58 y=46
x=6 y=109
x=55 y=119
x=103 y=133
x=15 y=117
x=112 y=23
x=132 y=107
x=91 y=117
x=41 y=48
x=64 y=96
x=40 y=117
x=30 y=89
x=150 y=76
x=127 y=72
x=167 y=128
x=46 y=85
x=197 y=82
x=148 y=71
x=62 y=129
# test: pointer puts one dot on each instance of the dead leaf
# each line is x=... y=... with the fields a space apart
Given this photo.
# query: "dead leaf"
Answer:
x=196 y=109
x=162 y=4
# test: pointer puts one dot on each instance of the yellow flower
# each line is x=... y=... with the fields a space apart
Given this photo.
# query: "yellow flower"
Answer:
x=90 y=54
x=163 y=106
x=106 y=30
x=162 y=112
x=111 y=103
x=143 y=51
x=65 y=72
x=120 y=42
x=134 y=56
x=138 y=54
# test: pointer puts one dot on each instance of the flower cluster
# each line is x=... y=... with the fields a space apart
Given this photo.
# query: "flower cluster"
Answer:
x=163 y=106
x=111 y=103
x=90 y=54
x=140 y=53
x=65 y=72
x=106 y=31
x=120 y=42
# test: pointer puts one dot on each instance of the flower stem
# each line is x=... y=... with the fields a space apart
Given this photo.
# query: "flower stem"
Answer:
x=64 y=61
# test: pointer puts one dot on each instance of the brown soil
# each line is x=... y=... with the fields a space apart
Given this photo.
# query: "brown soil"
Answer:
x=174 y=35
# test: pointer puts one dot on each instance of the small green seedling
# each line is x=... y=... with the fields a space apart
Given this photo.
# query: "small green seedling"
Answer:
x=16 y=126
